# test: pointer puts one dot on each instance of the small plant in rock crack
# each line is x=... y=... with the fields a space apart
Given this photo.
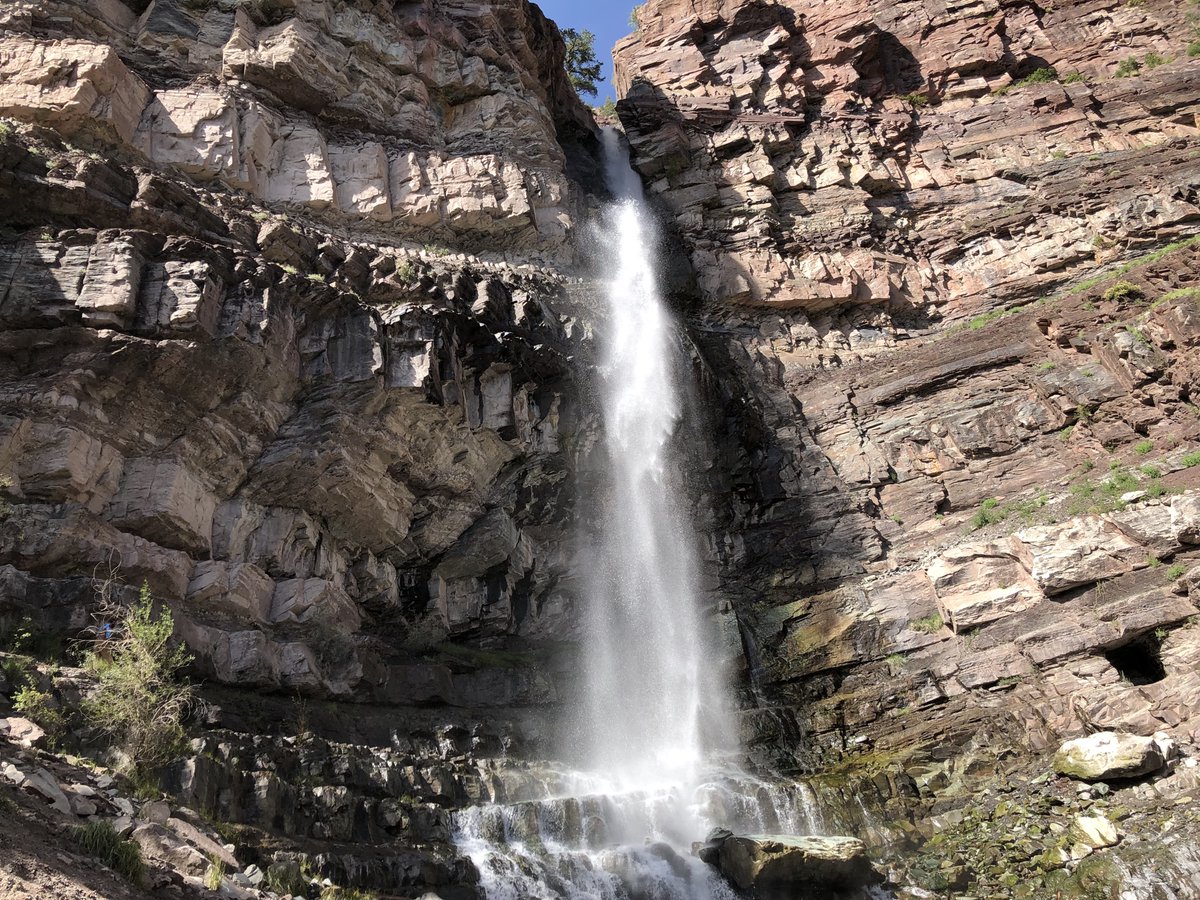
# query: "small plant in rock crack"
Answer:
x=930 y=624
x=1123 y=292
x=1127 y=68
x=1177 y=571
x=215 y=874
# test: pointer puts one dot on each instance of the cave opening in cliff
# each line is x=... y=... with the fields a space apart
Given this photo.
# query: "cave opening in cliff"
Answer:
x=1138 y=661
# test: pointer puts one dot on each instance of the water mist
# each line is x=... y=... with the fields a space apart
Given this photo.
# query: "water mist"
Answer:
x=650 y=692
x=652 y=719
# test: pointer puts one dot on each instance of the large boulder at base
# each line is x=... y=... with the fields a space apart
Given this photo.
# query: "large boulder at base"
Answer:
x=777 y=866
x=1108 y=754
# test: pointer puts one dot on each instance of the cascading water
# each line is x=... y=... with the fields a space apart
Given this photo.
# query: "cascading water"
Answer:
x=653 y=723
x=652 y=701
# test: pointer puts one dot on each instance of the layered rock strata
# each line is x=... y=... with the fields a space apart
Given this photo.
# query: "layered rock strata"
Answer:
x=947 y=304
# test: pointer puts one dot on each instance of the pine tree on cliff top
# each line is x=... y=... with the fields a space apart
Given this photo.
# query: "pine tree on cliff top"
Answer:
x=582 y=65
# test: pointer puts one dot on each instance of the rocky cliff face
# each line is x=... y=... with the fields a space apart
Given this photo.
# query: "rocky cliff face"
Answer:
x=948 y=301
x=290 y=332
x=285 y=335
x=282 y=333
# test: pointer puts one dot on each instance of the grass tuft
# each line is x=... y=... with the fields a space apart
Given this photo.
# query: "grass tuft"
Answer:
x=100 y=840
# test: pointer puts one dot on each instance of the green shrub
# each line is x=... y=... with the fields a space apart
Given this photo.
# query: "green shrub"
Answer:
x=1191 y=459
x=916 y=99
x=100 y=840
x=1128 y=68
x=1042 y=75
x=1176 y=571
x=989 y=514
x=1122 y=291
x=139 y=702
x=1105 y=496
x=1073 y=78
x=38 y=707
x=1143 y=447
x=1193 y=49
x=1153 y=60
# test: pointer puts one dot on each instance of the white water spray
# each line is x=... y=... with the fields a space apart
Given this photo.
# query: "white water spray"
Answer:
x=651 y=698
x=654 y=718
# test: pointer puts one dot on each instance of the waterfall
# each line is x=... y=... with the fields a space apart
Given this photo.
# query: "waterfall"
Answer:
x=653 y=722
x=651 y=695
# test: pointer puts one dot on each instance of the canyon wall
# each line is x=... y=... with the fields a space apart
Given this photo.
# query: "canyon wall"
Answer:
x=285 y=335
x=292 y=330
x=949 y=309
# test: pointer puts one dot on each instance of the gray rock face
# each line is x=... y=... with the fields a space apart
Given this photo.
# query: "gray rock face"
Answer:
x=779 y=866
x=1106 y=755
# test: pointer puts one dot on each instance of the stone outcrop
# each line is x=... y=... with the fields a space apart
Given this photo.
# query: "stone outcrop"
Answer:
x=441 y=126
x=268 y=387
x=1099 y=757
x=287 y=334
x=905 y=160
x=770 y=866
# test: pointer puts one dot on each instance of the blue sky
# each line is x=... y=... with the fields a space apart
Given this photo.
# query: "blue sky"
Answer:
x=607 y=19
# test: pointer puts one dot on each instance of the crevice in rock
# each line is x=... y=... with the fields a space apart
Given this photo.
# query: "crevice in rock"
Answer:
x=1139 y=661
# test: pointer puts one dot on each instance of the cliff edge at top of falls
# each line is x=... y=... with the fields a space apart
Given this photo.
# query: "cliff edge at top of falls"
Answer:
x=446 y=123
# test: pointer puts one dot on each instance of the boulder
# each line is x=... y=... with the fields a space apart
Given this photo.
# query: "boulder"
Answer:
x=158 y=842
x=1107 y=755
x=775 y=865
x=21 y=731
x=1094 y=831
x=47 y=785
x=156 y=811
